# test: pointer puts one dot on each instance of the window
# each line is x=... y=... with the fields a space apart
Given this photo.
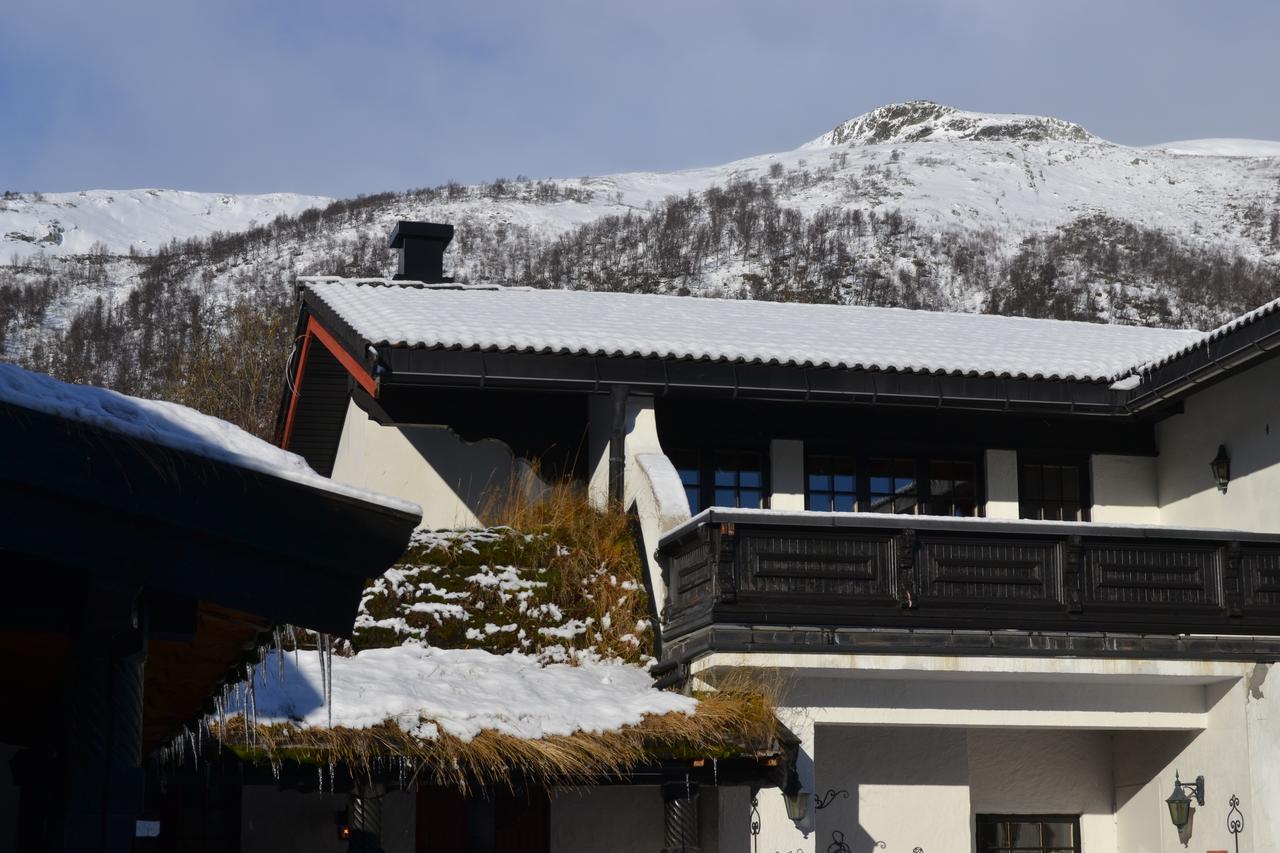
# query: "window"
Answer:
x=690 y=470
x=723 y=478
x=1031 y=833
x=1052 y=490
x=952 y=488
x=831 y=484
x=893 y=485
x=902 y=484
x=739 y=479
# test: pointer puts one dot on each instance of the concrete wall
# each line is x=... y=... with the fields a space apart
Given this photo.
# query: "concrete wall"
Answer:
x=1046 y=772
x=1242 y=413
x=1125 y=489
x=786 y=474
x=1002 y=483
x=453 y=480
x=274 y=821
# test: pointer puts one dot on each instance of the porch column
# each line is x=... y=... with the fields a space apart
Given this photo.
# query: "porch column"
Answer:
x=103 y=787
x=1002 y=483
x=680 y=817
x=777 y=831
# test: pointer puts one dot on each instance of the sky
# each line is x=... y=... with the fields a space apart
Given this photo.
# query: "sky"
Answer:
x=336 y=97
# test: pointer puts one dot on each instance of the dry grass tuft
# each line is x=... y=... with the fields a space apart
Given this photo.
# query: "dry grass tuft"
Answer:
x=730 y=722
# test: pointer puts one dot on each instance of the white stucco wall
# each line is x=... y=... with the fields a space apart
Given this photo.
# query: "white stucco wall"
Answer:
x=451 y=479
x=786 y=461
x=1002 y=483
x=273 y=821
x=1046 y=772
x=1125 y=489
x=1242 y=413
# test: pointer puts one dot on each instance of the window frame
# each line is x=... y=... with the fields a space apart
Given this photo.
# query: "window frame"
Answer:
x=920 y=456
x=1084 y=487
x=705 y=453
x=989 y=818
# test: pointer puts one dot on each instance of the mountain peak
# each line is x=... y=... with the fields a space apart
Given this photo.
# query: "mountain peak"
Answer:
x=916 y=121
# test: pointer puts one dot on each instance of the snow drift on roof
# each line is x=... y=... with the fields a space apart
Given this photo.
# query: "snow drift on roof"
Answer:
x=460 y=692
x=173 y=426
x=624 y=324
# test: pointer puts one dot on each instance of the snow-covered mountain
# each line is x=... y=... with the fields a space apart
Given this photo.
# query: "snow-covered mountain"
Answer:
x=116 y=221
x=915 y=204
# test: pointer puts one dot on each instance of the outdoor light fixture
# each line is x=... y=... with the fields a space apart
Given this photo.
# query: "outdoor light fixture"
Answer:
x=342 y=825
x=796 y=799
x=1221 y=466
x=1180 y=804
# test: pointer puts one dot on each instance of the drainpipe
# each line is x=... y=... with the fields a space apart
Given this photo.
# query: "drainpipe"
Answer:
x=618 y=444
x=680 y=808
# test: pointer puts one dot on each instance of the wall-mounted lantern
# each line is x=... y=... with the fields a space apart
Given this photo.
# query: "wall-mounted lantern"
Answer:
x=1221 y=466
x=795 y=798
x=1180 y=804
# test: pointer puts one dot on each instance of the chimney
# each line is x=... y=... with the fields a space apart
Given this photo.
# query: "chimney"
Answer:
x=421 y=246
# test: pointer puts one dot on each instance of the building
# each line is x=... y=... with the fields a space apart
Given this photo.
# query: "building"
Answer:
x=144 y=550
x=1013 y=576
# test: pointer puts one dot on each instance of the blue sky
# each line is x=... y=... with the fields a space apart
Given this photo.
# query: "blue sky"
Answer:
x=345 y=97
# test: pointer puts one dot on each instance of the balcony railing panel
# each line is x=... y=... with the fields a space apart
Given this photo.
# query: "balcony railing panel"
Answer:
x=851 y=570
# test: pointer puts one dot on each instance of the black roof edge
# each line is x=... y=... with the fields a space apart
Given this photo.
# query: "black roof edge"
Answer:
x=1207 y=363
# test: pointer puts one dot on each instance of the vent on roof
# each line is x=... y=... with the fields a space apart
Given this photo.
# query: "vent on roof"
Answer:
x=421 y=246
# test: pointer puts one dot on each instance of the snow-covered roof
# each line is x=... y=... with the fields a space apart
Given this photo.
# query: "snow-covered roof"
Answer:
x=386 y=313
x=173 y=426
x=460 y=692
x=1243 y=321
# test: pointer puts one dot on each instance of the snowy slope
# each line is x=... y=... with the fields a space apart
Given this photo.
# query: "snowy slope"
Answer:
x=72 y=223
x=973 y=192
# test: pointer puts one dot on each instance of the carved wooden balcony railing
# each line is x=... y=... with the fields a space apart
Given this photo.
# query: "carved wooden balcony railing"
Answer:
x=833 y=570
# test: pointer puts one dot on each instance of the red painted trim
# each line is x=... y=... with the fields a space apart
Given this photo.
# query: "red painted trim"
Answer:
x=297 y=390
x=319 y=333
x=355 y=368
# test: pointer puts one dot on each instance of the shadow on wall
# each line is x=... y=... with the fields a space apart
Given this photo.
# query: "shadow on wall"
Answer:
x=481 y=475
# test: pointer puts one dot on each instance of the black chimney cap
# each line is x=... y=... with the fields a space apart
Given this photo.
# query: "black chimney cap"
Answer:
x=426 y=230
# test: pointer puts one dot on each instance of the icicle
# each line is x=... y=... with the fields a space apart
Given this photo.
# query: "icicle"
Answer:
x=320 y=776
x=715 y=772
x=279 y=641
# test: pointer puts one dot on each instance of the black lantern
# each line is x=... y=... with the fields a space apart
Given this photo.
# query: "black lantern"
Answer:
x=795 y=797
x=1221 y=466
x=1180 y=804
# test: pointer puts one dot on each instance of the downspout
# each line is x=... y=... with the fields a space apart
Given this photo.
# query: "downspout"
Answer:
x=618 y=444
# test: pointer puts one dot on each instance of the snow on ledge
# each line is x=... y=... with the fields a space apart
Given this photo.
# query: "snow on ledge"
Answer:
x=176 y=427
x=461 y=692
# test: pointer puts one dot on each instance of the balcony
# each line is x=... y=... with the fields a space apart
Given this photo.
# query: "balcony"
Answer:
x=762 y=580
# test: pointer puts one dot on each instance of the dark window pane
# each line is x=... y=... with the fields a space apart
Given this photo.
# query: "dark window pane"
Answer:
x=694 y=496
x=725 y=497
x=726 y=477
x=881 y=485
x=689 y=476
x=818 y=503
x=1058 y=834
x=844 y=483
x=751 y=478
x=1070 y=483
x=843 y=503
x=751 y=498
x=819 y=482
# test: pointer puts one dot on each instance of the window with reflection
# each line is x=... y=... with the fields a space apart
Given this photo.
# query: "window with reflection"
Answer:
x=893 y=485
x=723 y=478
x=831 y=484
x=952 y=488
x=1052 y=490
x=1028 y=833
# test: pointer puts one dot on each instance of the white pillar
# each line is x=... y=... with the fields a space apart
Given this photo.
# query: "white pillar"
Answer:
x=1002 y=483
x=786 y=461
